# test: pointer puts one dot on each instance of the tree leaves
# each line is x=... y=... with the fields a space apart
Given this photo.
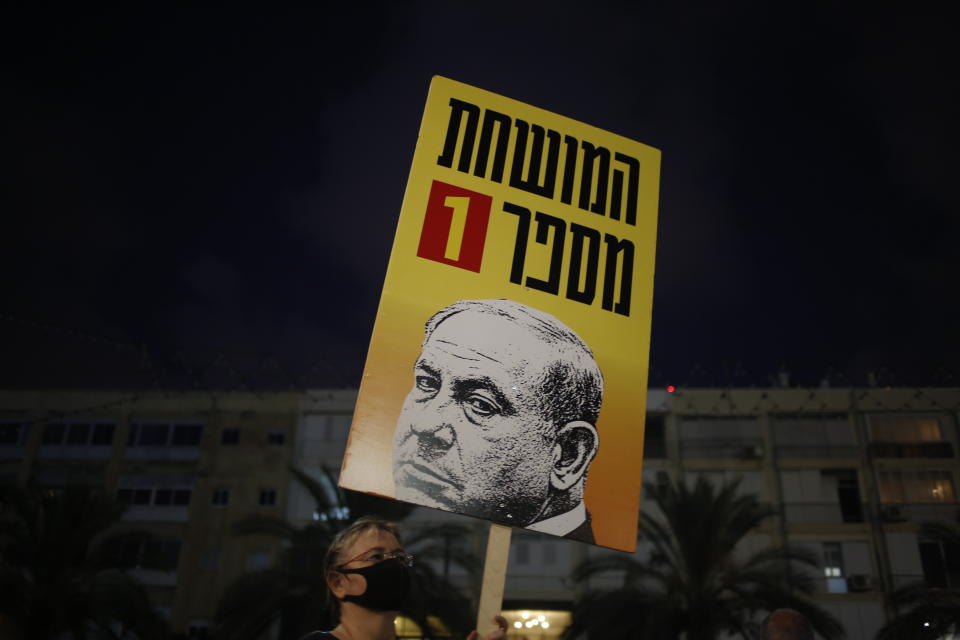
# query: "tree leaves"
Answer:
x=695 y=583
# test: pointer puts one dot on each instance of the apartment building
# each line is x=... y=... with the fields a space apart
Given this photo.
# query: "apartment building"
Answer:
x=187 y=465
x=853 y=472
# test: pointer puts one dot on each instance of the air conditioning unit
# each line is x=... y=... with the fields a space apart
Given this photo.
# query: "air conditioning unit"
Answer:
x=891 y=513
x=859 y=582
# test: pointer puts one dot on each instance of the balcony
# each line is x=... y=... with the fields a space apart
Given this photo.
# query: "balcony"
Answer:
x=822 y=513
x=726 y=448
x=914 y=512
x=935 y=449
x=801 y=451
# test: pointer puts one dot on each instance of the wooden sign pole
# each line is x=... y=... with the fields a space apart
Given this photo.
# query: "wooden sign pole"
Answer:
x=494 y=577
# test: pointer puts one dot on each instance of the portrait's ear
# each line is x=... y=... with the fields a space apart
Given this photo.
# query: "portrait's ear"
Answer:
x=576 y=445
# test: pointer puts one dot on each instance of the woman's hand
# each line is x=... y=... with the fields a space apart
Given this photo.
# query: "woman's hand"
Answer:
x=497 y=634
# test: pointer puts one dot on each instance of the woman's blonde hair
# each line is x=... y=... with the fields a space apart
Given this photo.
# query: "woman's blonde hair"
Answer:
x=344 y=539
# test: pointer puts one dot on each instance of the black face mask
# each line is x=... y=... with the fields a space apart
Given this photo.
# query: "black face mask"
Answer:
x=388 y=583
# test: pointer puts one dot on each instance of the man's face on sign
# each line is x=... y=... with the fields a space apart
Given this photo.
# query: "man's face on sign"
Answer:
x=470 y=437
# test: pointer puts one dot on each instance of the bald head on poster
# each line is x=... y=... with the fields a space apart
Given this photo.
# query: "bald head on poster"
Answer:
x=500 y=422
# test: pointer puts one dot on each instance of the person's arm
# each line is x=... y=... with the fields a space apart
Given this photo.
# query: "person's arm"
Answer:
x=497 y=634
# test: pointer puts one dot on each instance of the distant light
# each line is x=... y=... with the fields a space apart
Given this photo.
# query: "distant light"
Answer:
x=518 y=624
x=926 y=624
x=541 y=618
x=545 y=624
x=524 y=614
x=671 y=388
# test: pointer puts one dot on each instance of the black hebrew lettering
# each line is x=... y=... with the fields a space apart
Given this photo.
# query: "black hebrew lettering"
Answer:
x=591 y=154
x=615 y=248
x=633 y=187
x=520 y=248
x=490 y=118
x=569 y=169
x=584 y=260
x=544 y=223
x=580 y=234
x=597 y=183
x=532 y=182
x=457 y=109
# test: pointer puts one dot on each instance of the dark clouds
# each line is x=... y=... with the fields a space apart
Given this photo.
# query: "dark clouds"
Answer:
x=204 y=181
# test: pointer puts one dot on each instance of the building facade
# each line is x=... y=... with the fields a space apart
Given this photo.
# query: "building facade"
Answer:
x=852 y=473
x=187 y=465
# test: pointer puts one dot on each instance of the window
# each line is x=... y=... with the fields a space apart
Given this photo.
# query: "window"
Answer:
x=78 y=434
x=916 y=486
x=721 y=437
x=186 y=435
x=54 y=433
x=905 y=428
x=158 y=497
x=941 y=563
x=276 y=437
x=826 y=435
x=230 y=436
x=102 y=434
x=832 y=559
x=268 y=497
x=654 y=441
x=163 y=434
x=833 y=567
x=220 y=497
x=13 y=433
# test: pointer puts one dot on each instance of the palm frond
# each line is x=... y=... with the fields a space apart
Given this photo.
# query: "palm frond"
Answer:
x=695 y=582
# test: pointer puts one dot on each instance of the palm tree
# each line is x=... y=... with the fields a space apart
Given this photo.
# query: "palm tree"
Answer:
x=926 y=612
x=694 y=586
x=55 y=578
x=293 y=592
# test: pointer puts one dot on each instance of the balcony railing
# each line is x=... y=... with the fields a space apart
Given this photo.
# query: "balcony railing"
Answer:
x=939 y=449
x=818 y=513
x=912 y=512
x=815 y=451
x=751 y=449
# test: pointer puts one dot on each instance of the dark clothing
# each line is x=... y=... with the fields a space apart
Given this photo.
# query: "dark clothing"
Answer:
x=319 y=635
x=583 y=533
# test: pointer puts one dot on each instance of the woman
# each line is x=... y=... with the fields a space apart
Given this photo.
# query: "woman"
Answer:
x=368 y=576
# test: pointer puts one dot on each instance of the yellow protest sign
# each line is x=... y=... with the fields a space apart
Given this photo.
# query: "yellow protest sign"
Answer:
x=506 y=377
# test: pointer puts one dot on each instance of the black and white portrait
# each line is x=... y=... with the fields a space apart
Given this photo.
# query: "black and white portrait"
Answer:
x=500 y=422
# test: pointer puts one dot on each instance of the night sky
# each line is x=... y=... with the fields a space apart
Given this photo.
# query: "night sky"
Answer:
x=210 y=194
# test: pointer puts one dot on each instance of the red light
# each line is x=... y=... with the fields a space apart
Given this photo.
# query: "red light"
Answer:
x=671 y=388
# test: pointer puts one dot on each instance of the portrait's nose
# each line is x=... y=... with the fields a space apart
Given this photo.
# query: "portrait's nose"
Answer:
x=434 y=428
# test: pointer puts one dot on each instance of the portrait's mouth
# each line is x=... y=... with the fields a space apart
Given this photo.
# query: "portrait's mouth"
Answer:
x=426 y=479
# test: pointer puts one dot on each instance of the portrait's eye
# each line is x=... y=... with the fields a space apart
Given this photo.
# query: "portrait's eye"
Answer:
x=427 y=384
x=376 y=557
x=482 y=405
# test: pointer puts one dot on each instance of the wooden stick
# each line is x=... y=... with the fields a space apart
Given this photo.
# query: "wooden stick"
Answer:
x=494 y=577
